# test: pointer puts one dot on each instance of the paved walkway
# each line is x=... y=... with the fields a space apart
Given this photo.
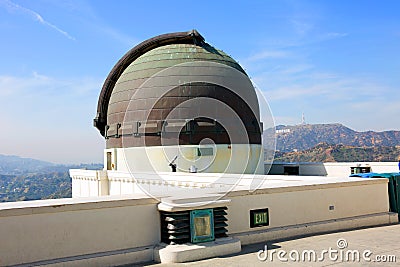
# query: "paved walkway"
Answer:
x=377 y=244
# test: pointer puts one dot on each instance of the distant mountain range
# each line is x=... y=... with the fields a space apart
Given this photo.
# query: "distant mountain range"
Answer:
x=29 y=179
x=10 y=165
x=306 y=136
x=324 y=152
x=15 y=165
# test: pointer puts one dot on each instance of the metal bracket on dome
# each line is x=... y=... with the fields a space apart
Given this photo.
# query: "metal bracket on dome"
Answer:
x=113 y=131
x=136 y=126
x=105 y=131
x=158 y=127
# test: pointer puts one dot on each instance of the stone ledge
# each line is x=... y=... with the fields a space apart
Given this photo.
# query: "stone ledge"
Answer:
x=191 y=252
x=73 y=204
x=110 y=258
x=190 y=202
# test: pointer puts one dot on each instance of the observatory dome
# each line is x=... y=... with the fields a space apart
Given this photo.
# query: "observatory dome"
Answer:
x=176 y=89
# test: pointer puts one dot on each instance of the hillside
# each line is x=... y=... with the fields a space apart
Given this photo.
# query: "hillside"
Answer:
x=30 y=179
x=35 y=186
x=324 y=152
x=17 y=165
x=306 y=136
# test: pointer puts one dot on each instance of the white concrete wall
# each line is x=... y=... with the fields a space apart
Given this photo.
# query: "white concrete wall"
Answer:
x=340 y=168
x=89 y=183
x=332 y=169
x=226 y=158
x=306 y=204
x=54 y=229
x=51 y=229
x=314 y=168
x=305 y=168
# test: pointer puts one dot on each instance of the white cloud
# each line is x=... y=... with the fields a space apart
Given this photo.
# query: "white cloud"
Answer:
x=296 y=68
x=359 y=102
x=364 y=114
x=14 y=86
x=331 y=87
x=89 y=18
x=330 y=36
x=301 y=27
x=39 y=84
x=268 y=54
x=38 y=94
x=10 y=6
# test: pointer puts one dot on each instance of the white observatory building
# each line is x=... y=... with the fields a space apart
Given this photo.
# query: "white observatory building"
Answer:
x=183 y=175
x=174 y=98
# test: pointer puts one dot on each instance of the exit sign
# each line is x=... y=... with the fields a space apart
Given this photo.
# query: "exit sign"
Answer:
x=259 y=218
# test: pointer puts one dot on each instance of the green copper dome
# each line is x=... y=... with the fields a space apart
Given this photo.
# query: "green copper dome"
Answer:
x=171 y=55
x=159 y=59
x=158 y=77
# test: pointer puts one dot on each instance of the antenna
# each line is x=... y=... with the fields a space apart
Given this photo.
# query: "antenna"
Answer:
x=172 y=164
x=303 y=119
x=173 y=161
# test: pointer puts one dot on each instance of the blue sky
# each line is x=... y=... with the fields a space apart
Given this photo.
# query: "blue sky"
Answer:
x=336 y=61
